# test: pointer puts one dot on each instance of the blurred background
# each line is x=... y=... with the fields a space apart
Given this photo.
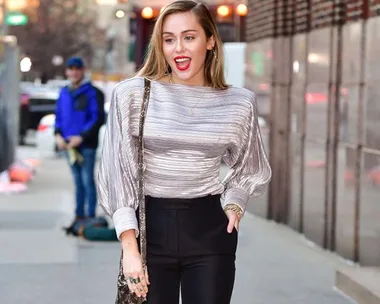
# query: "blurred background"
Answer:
x=312 y=64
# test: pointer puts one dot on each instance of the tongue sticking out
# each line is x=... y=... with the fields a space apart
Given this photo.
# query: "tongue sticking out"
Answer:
x=183 y=64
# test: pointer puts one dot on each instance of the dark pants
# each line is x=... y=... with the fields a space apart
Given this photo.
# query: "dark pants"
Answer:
x=188 y=247
x=85 y=190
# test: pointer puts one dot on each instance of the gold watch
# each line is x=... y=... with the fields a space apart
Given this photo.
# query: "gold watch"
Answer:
x=235 y=208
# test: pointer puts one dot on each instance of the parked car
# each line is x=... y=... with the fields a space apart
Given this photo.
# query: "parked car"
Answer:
x=57 y=83
x=35 y=103
x=25 y=89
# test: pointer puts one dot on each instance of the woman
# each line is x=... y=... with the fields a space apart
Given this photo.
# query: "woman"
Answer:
x=193 y=122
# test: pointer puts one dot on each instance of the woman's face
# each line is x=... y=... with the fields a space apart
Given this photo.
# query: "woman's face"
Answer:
x=185 y=47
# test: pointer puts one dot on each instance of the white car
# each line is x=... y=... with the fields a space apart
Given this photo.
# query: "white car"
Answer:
x=45 y=140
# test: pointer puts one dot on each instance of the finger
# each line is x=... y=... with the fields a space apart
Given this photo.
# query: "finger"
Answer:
x=147 y=276
x=141 y=292
x=134 y=287
x=237 y=225
x=139 y=284
x=136 y=290
x=142 y=283
x=231 y=224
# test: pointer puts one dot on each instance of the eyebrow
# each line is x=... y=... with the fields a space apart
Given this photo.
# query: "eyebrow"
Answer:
x=187 y=31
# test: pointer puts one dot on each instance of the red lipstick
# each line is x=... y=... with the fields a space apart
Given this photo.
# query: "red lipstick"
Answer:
x=182 y=63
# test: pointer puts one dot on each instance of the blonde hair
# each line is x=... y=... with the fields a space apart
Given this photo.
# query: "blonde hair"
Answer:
x=156 y=67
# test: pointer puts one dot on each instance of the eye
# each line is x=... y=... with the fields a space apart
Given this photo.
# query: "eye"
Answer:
x=168 y=40
x=189 y=38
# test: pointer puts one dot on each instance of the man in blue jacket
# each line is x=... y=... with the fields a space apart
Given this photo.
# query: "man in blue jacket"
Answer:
x=79 y=116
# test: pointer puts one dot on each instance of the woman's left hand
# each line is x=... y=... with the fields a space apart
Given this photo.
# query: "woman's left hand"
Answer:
x=233 y=221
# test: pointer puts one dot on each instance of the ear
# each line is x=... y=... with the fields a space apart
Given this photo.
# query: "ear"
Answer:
x=210 y=43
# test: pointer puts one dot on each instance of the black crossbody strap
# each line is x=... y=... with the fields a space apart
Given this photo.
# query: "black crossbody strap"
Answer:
x=141 y=192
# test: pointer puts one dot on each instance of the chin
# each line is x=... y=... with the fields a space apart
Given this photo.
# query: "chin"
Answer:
x=185 y=76
x=76 y=81
x=189 y=75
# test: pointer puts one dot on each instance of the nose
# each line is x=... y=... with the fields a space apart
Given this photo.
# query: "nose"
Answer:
x=179 y=46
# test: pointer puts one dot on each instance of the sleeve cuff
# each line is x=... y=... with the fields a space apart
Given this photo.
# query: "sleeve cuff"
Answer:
x=125 y=219
x=236 y=196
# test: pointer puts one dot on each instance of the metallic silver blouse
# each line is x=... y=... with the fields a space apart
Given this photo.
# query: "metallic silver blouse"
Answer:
x=189 y=131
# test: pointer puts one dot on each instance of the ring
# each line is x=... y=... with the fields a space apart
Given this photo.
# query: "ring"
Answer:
x=138 y=280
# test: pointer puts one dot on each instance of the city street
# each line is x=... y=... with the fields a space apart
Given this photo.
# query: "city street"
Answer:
x=39 y=264
x=312 y=66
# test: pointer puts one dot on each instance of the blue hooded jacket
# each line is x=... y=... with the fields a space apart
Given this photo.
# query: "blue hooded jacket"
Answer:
x=80 y=112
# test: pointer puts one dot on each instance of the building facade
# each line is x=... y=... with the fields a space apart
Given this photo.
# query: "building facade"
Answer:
x=312 y=65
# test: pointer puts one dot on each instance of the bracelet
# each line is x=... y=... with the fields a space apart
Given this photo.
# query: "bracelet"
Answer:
x=235 y=208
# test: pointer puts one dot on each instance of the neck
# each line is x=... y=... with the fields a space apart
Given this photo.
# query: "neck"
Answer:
x=76 y=84
x=198 y=80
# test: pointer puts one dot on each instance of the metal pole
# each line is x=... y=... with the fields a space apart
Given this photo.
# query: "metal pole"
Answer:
x=4 y=27
x=328 y=143
x=337 y=118
x=360 y=126
x=273 y=141
x=304 y=122
x=289 y=16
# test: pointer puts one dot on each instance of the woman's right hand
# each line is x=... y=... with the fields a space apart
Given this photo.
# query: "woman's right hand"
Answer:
x=137 y=277
x=134 y=273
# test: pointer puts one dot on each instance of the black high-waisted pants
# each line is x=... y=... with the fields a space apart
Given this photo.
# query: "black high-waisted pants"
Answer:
x=188 y=247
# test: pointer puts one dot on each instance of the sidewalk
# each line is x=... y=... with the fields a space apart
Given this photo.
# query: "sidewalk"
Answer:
x=39 y=264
